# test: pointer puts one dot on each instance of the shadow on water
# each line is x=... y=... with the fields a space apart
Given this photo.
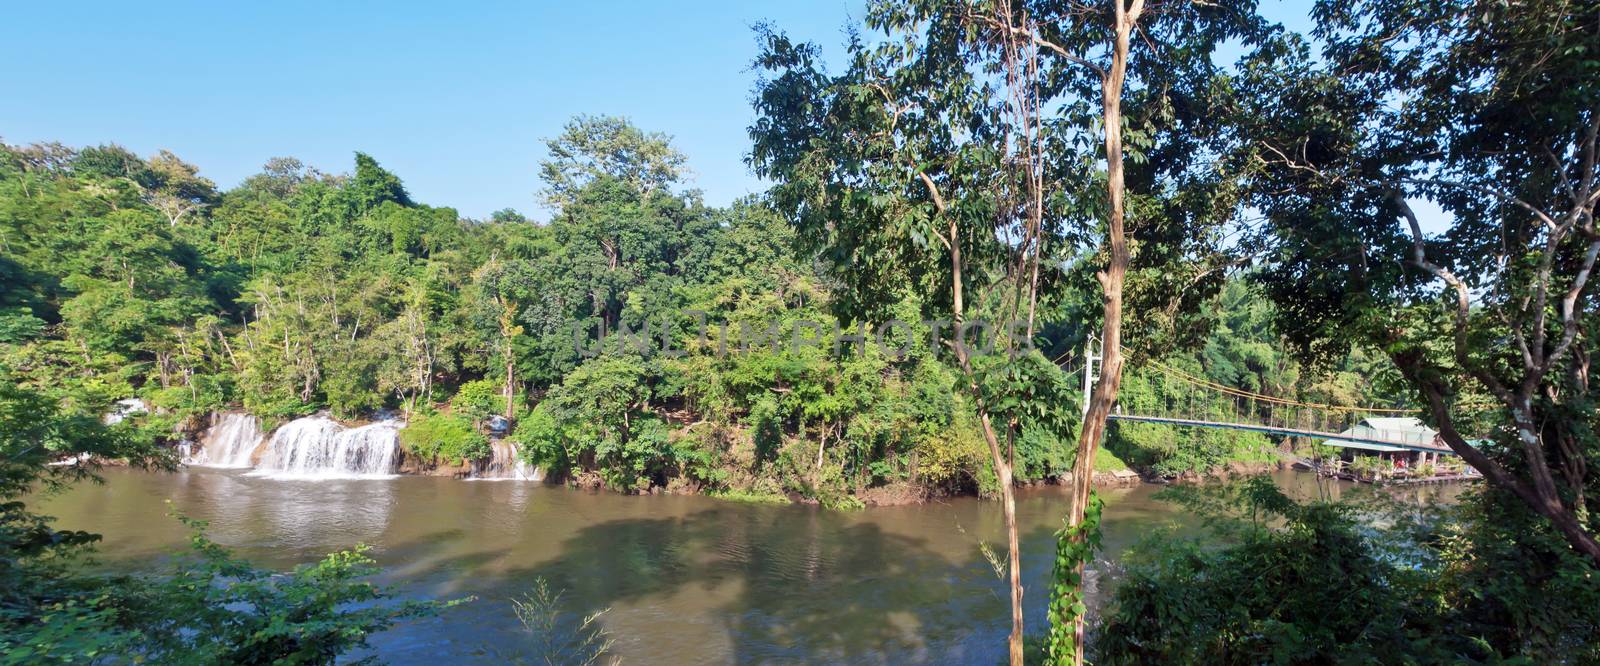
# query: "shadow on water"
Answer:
x=781 y=584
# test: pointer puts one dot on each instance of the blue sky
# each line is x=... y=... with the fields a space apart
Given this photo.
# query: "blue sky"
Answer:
x=457 y=98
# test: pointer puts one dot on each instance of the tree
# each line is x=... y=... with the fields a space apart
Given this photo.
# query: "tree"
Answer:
x=497 y=291
x=373 y=185
x=887 y=172
x=599 y=412
x=178 y=189
x=1488 y=111
x=594 y=146
x=959 y=159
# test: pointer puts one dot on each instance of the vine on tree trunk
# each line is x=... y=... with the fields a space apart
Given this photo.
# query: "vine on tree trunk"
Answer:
x=1075 y=547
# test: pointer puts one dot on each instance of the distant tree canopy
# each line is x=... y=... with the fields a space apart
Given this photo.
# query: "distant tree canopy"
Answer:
x=594 y=146
x=299 y=291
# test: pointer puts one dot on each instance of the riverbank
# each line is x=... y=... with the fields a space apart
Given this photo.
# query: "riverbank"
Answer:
x=317 y=447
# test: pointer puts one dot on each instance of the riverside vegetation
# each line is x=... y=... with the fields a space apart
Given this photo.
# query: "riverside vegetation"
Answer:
x=298 y=292
x=1046 y=156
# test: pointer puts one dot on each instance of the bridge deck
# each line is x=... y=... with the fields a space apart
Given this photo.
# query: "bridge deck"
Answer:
x=1291 y=432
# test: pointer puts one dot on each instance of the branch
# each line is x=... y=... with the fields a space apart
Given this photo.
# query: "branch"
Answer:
x=1561 y=170
x=1033 y=36
x=1569 y=316
x=938 y=205
x=1463 y=298
x=1586 y=173
x=1503 y=196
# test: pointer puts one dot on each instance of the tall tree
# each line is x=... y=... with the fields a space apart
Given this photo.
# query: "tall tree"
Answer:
x=594 y=146
x=498 y=292
x=960 y=158
x=177 y=188
x=1491 y=111
x=1073 y=66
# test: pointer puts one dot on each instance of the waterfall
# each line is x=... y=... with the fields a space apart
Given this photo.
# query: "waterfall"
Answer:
x=318 y=447
x=504 y=464
x=229 y=442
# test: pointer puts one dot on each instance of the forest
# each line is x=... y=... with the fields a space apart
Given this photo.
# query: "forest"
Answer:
x=298 y=292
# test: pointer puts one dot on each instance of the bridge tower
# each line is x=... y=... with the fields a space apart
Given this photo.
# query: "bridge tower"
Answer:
x=1090 y=356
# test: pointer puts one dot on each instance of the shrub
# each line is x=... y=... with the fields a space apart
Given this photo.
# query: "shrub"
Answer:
x=215 y=608
x=558 y=636
x=444 y=436
x=1297 y=594
x=478 y=400
x=541 y=441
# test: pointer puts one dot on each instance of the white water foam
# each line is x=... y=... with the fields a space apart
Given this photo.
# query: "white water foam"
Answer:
x=229 y=442
x=317 y=447
x=505 y=465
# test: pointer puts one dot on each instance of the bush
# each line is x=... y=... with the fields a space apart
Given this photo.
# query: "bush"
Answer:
x=1308 y=592
x=215 y=608
x=540 y=441
x=478 y=400
x=557 y=636
x=444 y=436
x=1481 y=582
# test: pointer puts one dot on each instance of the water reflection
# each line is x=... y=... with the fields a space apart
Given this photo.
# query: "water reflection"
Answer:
x=688 y=579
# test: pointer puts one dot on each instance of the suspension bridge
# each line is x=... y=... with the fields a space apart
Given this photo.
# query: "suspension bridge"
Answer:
x=1177 y=398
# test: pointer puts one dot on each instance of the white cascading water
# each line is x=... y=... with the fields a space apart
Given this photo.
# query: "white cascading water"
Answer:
x=505 y=464
x=229 y=442
x=317 y=447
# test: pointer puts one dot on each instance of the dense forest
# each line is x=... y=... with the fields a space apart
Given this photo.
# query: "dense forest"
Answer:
x=299 y=291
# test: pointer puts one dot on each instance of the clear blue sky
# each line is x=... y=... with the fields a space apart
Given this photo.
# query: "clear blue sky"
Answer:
x=455 y=97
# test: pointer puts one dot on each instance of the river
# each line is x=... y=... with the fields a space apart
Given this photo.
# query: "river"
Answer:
x=687 y=579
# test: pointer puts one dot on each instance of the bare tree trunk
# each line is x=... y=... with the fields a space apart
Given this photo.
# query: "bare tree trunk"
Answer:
x=509 y=330
x=511 y=386
x=997 y=457
x=1111 y=280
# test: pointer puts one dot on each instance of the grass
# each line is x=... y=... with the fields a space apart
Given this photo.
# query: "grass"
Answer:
x=1106 y=461
x=748 y=497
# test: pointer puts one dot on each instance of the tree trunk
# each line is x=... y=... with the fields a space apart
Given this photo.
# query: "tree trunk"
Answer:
x=1111 y=280
x=511 y=387
x=1002 y=468
x=1545 y=502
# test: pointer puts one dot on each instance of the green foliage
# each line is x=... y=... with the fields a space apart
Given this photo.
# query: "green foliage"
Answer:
x=478 y=400
x=541 y=441
x=299 y=291
x=1242 y=349
x=49 y=610
x=1106 y=461
x=450 y=437
x=1505 y=578
x=1309 y=591
x=1485 y=112
x=215 y=608
x=373 y=186
x=1287 y=582
x=556 y=636
x=749 y=497
x=1075 y=549
x=592 y=147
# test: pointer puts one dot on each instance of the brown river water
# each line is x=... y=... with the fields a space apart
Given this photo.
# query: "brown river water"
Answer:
x=687 y=579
